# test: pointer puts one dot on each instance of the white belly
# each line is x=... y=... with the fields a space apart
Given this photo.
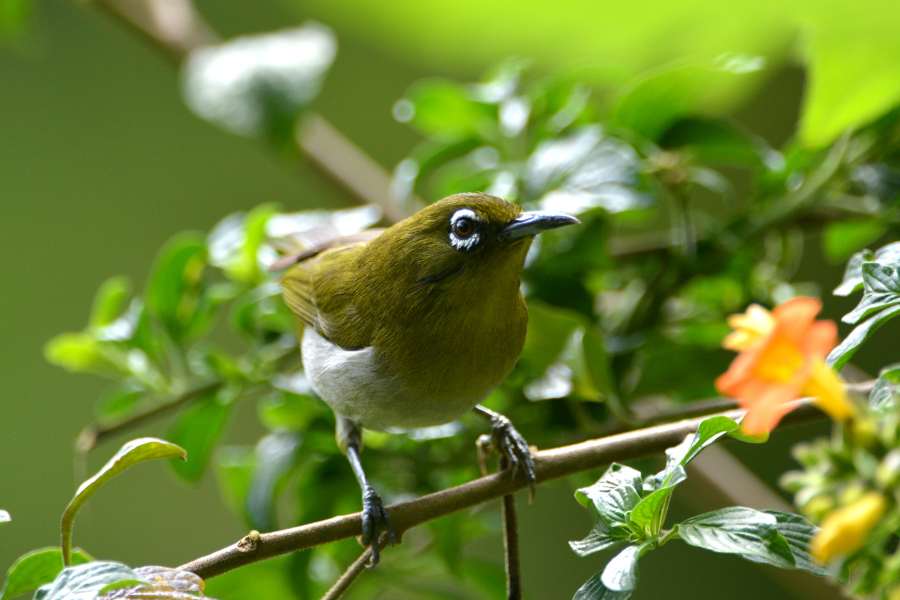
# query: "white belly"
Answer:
x=354 y=384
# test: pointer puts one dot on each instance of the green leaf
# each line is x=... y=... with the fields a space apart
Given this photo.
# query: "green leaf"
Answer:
x=843 y=238
x=14 y=14
x=798 y=532
x=197 y=429
x=749 y=533
x=717 y=142
x=650 y=513
x=110 y=301
x=613 y=495
x=658 y=99
x=119 y=404
x=881 y=290
x=853 y=279
x=84 y=582
x=446 y=110
x=844 y=351
x=600 y=538
x=132 y=453
x=276 y=455
x=621 y=573
x=593 y=589
x=175 y=289
x=83 y=353
x=234 y=474
x=679 y=456
x=583 y=172
x=259 y=85
x=235 y=243
x=885 y=394
x=4 y=516
x=287 y=411
x=36 y=568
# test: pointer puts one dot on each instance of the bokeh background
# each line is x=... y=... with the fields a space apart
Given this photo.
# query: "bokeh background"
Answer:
x=101 y=162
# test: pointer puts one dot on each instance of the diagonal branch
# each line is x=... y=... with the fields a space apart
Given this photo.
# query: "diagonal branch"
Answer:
x=550 y=464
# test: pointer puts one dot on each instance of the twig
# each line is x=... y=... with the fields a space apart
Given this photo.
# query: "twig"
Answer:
x=550 y=464
x=511 y=548
x=93 y=434
x=349 y=576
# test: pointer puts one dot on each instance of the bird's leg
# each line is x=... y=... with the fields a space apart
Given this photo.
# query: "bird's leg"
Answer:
x=512 y=447
x=375 y=519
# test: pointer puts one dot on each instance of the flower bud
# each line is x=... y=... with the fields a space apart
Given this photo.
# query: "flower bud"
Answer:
x=845 y=530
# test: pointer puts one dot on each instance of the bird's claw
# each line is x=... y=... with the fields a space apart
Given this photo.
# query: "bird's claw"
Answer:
x=513 y=449
x=375 y=522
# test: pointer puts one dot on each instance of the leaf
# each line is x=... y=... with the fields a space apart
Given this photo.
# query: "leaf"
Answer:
x=160 y=583
x=110 y=301
x=4 y=516
x=584 y=171
x=197 y=429
x=798 y=532
x=593 y=589
x=708 y=431
x=174 y=291
x=119 y=403
x=844 y=351
x=650 y=513
x=749 y=533
x=446 y=110
x=843 y=238
x=258 y=85
x=82 y=353
x=717 y=142
x=132 y=453
x=235 y=244
x=600 y=538
x=103 y=580
x=36 y=568
x=621 y=573
x=853 y=280
x=885 y=394
x=881 y=290
x=613 y=495
x=84 y=582
x=661 y=97
x=287 y=411
x=276 y=455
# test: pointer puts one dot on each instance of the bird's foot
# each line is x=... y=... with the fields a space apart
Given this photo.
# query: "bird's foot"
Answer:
x=375 y=523
x=513 y=449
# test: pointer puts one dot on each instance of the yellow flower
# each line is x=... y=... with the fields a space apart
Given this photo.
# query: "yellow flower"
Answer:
x=845 y=530
x=781 y=358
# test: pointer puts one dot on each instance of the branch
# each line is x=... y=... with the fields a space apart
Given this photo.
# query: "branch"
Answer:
x=349 y=576
x=550 y=464
x=93 y=434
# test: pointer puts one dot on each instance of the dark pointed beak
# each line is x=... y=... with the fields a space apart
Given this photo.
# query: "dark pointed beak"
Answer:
x=534 y=222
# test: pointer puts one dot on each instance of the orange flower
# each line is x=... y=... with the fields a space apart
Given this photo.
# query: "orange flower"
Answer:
x=781 y=358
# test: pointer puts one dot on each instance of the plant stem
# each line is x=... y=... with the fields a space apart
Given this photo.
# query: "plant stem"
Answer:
x=349 y=576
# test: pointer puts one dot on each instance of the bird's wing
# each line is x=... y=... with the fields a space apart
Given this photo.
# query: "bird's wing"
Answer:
x=314 y=250
x=322 y=288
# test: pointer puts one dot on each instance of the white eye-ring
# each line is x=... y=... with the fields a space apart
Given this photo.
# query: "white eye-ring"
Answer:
x=464 y=230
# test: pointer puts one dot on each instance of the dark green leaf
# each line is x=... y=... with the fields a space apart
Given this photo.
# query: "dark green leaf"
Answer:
x=36 y=568
x=621 y=573
x=132 y=453
x=613 y=495
x=843 y=238
x=582 y=172
x=174 y=292
x=717 y=142
x=110 y=301
x=197 y=429
x=258 y=85
x=593 y=589
x=119 y=404
x=885 y=394
x=276 y=455
x=848 y=347
x=881 y=290
x=749 y=533
x=600 y=538
x=798 y=532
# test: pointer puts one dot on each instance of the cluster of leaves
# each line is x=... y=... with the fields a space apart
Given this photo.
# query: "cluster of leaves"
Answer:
x=630 y=509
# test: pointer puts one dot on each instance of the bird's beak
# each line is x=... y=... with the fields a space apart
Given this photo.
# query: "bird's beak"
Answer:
x=534 y=222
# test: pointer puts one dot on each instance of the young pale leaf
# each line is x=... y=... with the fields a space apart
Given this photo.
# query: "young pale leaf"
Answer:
x=844 y=351
x=197 y=429
x=110 y=301
x=650 y=513
x=749 y=533
x=36 y=568
x=600 y=538
x=798 y=532
x=258 y=85
x=621 y=573
x=885 y=394
x=613 y=495
x=82 y=352
x=132 y=453
x=593 y=589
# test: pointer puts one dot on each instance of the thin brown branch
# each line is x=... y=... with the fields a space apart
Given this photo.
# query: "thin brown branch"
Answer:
x=511 y=548
x=349 y=576
x=550 y=464
x=93 y=434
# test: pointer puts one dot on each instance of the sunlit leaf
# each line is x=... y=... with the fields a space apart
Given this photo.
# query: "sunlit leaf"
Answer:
x=593 y=589
x=621 y=573
x=110 y=301
x=258 y=85
x=83 y=353
x=749 y=533
x=446 y=110
x=36 y=568
x=133 y=452
x=843 y=238
x=4 y=516
x=613 y=495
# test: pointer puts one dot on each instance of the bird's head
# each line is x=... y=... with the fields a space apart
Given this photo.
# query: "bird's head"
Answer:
x=466 y=237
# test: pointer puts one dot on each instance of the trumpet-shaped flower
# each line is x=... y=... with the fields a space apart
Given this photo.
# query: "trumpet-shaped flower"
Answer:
x=845 y=530
x=781 y=358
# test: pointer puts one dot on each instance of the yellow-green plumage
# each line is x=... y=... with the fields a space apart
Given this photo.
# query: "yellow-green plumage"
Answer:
x=442 y=326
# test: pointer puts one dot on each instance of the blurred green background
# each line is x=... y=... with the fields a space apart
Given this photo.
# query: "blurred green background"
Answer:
x=94 y=137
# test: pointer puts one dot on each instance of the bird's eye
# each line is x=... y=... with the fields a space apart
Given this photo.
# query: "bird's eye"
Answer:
x=463 y=227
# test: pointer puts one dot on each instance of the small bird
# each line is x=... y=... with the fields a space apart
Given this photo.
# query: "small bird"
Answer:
x=412 y=326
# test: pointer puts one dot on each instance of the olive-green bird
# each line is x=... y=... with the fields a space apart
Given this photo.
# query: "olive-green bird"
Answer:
x=413 y=325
